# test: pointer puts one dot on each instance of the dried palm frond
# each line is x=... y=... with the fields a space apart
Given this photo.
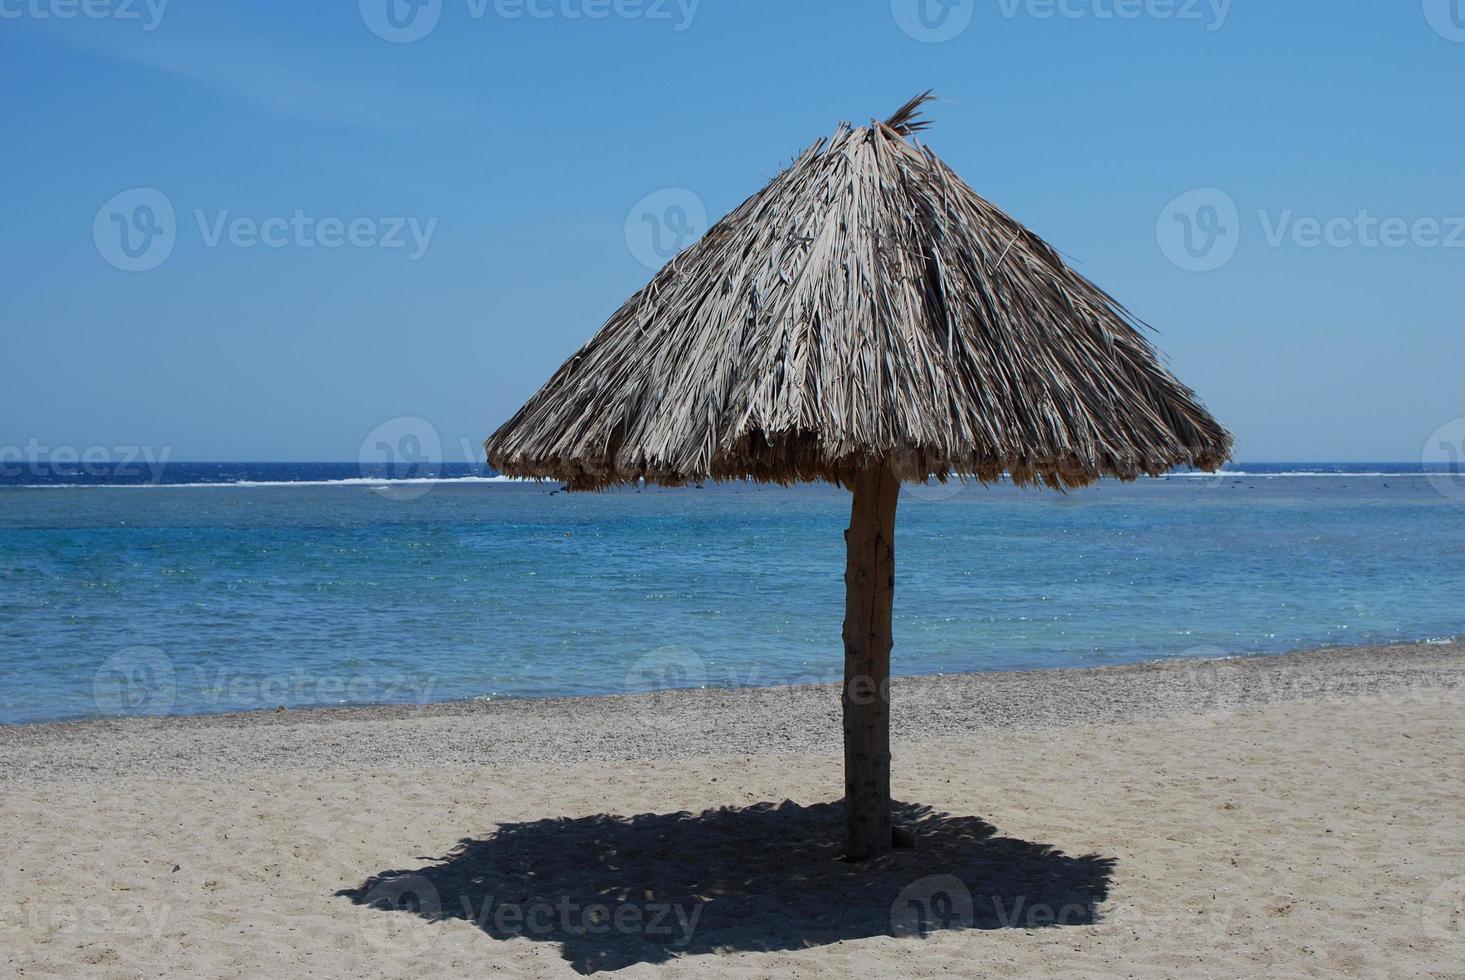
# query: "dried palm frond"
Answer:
x=866 y=305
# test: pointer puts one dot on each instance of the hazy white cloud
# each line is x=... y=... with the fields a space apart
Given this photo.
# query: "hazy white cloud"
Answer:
x=255 y=77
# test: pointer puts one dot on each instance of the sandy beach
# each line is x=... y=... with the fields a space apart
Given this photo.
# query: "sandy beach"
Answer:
x=1283 y=816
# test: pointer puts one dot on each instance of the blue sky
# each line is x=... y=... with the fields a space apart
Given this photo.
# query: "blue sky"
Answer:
x=484 y=188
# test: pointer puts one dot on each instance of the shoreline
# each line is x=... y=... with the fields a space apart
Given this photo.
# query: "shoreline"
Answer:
x=803 y=717
x=459 y=705
x=1289 y=815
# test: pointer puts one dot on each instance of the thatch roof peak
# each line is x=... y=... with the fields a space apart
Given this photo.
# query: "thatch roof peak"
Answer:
x=865 y=305
x=907 y=120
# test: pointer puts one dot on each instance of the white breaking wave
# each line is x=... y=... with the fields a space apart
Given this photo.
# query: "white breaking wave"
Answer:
x=355 y=481
x=366 y=481
x=1292 y=473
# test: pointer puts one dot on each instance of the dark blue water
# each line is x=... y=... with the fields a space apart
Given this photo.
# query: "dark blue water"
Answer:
x=147 y=467
x=144 y=467
x=185 y=598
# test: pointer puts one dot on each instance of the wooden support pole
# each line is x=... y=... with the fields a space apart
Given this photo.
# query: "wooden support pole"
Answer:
x=869 y=582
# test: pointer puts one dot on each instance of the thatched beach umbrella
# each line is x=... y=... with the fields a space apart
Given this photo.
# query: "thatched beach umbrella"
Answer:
x=865 y=319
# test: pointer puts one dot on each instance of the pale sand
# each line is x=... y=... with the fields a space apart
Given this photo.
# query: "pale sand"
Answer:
x=1290 y=816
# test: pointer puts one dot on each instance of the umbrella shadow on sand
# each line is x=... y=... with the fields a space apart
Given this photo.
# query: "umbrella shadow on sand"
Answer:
x=616 y=891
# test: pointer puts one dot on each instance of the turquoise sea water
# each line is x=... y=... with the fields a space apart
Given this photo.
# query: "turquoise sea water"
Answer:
x=184 y=599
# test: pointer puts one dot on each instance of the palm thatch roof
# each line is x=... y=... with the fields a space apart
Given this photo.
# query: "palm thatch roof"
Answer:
x=865 y=305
